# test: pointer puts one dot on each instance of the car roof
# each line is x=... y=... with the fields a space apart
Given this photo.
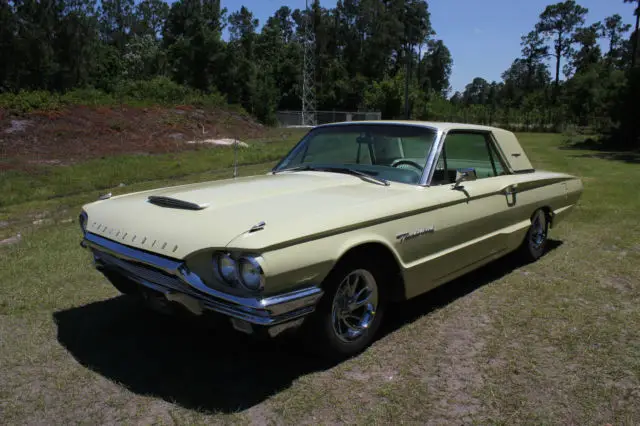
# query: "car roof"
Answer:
x=443 y=126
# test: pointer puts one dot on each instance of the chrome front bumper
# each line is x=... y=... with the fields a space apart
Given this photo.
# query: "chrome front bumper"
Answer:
x=173 y=279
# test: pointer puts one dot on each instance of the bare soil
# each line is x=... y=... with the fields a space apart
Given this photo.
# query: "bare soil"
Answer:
x=80 y=133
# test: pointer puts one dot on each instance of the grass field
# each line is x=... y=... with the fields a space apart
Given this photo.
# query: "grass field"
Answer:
x=555 y=342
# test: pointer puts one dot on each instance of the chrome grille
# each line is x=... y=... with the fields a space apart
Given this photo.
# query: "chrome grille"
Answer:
x=138 y=271
x=167 y=275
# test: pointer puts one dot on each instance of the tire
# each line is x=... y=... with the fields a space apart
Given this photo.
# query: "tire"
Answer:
x=340 y=329
x=535 y=242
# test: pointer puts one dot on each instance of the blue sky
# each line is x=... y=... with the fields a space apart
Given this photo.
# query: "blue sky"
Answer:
x=484 y=37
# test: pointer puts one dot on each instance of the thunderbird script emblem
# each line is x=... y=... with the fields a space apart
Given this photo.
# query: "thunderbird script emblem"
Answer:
x=418 y=232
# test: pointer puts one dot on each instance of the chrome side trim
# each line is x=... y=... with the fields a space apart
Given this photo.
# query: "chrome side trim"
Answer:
x=173 y=275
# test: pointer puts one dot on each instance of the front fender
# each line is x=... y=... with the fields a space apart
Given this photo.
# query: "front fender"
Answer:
x=308 y=263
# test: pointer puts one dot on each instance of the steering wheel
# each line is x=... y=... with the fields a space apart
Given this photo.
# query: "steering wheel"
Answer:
x=405 y=163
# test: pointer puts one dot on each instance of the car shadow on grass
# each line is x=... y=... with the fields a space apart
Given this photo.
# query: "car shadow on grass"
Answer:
x=207 y=365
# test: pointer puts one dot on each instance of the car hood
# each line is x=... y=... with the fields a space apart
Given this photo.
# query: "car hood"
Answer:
x=293 y=206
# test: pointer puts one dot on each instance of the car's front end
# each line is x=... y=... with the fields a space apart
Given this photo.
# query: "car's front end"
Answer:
x=233 y=247
x=166 y=282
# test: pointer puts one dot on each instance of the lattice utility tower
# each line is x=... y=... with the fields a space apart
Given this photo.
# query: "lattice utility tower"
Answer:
x=308 y=72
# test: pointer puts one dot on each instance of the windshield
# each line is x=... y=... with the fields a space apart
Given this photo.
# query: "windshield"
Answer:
x=395 y=153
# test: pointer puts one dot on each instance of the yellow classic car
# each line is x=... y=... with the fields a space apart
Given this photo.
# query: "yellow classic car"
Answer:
x=356 y=216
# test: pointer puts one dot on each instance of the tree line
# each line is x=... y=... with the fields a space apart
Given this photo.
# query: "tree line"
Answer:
x=369 y=55
x=360 y=50
x=600 y=87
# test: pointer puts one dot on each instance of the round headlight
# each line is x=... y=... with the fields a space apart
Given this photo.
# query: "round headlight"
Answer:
x=250 y=273
x=226 y=267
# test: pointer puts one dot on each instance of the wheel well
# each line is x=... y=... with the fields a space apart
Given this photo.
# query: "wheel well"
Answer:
x=549 y=214
x=383 y=256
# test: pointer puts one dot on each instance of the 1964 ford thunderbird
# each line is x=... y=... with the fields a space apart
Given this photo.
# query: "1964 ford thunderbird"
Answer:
x=355 y=216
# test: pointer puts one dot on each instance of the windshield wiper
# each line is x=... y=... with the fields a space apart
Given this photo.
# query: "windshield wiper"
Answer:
x=363 y=175
x=360 y=174
x=295 y=169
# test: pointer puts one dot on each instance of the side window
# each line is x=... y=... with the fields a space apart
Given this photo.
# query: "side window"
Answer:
x=463 y=150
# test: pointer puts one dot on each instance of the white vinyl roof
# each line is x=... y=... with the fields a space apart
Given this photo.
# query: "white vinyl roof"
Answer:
x=444 y=126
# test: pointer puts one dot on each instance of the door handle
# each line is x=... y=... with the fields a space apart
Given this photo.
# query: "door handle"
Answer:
x=511 y=189
x=510 y=194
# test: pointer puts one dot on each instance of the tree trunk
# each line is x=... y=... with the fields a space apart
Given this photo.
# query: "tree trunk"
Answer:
x=407 y=77
x=558 y=59
x=418 y=73
x=634 y=50
x=406 y=88
x=557 y=81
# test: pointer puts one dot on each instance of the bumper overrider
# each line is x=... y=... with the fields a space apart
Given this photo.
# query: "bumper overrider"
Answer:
x=172 y=279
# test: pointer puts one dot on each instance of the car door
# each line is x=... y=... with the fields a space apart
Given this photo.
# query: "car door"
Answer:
x=471 y=220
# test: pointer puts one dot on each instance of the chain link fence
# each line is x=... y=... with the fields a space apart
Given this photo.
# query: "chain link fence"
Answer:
x=295 y=118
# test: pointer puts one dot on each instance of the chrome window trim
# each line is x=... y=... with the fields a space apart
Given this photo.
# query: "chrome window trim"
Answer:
x=258 y=310
x=432 y=157
x=503 y=160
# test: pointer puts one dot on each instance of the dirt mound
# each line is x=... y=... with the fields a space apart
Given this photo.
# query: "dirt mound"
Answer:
x=80 y=133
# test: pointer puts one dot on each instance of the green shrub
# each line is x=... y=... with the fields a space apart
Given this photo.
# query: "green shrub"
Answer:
x=141 y=93
x=163 y=91
x=160 y=90
x=24 y=101
x=88 y=96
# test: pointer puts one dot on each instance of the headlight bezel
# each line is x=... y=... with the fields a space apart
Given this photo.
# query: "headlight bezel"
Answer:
x=83 y=219
x=238 y=279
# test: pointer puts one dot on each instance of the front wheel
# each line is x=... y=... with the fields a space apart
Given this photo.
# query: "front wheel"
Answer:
x=535 y=242
x=350 y=312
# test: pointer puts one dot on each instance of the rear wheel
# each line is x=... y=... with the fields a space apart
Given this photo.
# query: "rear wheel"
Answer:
x=535 y=242
x=350 y=312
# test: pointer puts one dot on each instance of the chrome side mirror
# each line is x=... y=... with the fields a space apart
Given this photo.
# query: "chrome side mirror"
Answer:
x=465 y=175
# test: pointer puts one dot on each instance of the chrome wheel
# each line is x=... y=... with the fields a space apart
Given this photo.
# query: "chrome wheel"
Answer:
x=354 y=305
x=538 y=234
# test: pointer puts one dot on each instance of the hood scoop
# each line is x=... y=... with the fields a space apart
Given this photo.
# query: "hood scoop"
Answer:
x=174 y=203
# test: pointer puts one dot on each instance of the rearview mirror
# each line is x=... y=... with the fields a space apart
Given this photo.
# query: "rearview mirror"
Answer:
x=465 y=175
